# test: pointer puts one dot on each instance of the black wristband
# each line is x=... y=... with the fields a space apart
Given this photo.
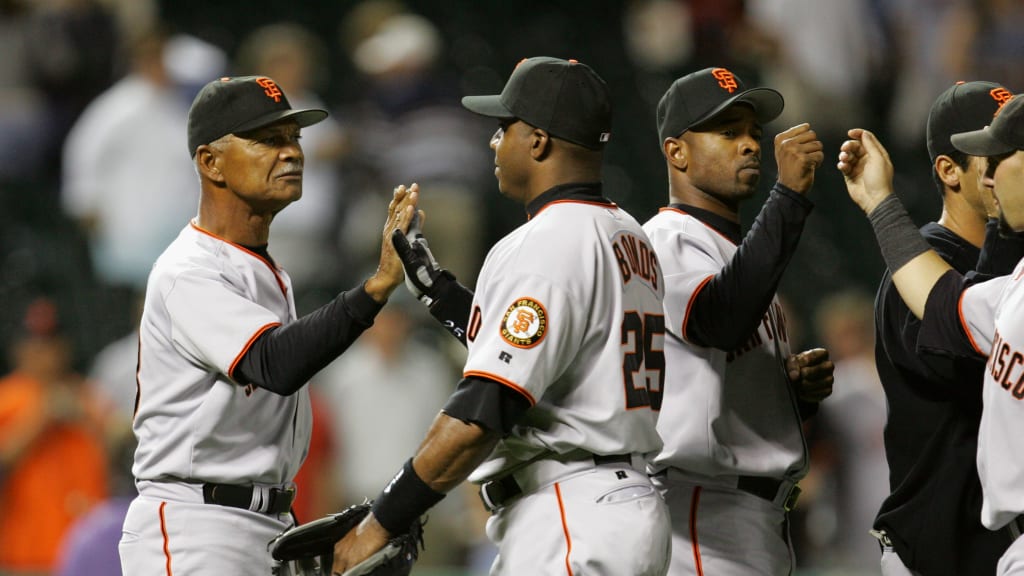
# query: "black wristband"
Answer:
x=403 y=500
x=898 y=238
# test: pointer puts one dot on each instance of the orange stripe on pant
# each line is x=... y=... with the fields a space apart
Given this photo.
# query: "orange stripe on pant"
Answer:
x=167 y=544
x=693 y=531
x=565 y=528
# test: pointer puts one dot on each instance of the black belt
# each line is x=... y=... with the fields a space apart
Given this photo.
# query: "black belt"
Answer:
x=498 y=493
x=277 y=501
x=768 y=488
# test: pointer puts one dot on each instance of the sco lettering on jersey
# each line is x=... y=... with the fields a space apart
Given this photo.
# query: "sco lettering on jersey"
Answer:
x=1005 y=366
x=636 y=260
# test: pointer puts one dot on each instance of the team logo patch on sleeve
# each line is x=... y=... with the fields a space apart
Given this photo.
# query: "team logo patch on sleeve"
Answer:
x=525 y=323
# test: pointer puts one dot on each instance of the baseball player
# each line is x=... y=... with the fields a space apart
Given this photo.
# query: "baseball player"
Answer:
x=735 y=396
x=222 y=415
x=961 y=315
x=931 y=521
x=557 y=408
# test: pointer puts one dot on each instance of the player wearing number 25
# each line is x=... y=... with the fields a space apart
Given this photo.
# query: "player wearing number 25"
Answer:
x=557 y=408
x=735 y=396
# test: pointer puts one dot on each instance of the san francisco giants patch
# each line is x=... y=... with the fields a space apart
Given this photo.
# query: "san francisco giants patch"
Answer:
x=525 y=323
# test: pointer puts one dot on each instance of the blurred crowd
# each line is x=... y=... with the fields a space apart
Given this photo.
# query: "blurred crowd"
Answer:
x=95 y=181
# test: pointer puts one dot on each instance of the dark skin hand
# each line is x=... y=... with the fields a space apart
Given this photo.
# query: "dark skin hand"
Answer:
x=811 y=373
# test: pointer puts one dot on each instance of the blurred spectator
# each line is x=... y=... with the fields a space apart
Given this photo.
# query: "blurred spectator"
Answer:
x=930 y=51
x=408 y=127
x=52 y=459
x=72 y=55
x=992 y=31
x=380 y=395
x=302 y=239
x=127 y=176
x=90 y=545
x=317 y=490
x=854 y=478
x=824 y=58
x=23 y=136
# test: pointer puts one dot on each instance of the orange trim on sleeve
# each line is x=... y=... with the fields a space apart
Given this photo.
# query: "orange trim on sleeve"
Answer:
x=565 y=528
x=500 y=380
x=694 y=500
x=963 y=323
x=231 y=371
x=167 y=543
x=689 y=305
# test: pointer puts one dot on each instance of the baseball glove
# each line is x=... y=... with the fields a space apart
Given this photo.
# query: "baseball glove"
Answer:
x=308 y=549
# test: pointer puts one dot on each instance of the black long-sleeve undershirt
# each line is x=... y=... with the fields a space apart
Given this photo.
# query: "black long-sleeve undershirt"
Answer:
x=727 y=310
x=283 y=359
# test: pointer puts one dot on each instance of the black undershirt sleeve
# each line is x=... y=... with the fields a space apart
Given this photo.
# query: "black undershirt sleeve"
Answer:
x=487 y=403
x=941 y=331
x=283 y=359
x=451 y=306
x=727 y=309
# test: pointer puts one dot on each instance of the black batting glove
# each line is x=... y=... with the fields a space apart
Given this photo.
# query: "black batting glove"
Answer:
x=423 y=275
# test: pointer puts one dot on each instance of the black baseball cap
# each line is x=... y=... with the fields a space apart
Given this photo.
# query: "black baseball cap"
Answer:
x=564 y=97
x=962 y=107
x=239 y=104
x=700 y=96
x=1004 y=134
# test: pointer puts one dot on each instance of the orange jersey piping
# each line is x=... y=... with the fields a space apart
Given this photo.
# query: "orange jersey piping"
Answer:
x=694 y=500
x=684 y=213
x=689 y=304
x=590 y=202
x=248 y=345
x=500 y=380
x=565 y=528
x=963 y=323
x=167 y=540
x=280 y=282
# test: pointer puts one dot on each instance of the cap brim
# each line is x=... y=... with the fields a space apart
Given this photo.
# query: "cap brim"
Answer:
x=487 y=106
x=980 y=143
x=767 y=105
x=303 y=118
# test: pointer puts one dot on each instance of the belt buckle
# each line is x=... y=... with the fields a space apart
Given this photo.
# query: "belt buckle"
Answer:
x=793 y=494
x=275 y=493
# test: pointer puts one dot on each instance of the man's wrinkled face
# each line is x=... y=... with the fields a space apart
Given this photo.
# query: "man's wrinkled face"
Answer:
x=264 y=166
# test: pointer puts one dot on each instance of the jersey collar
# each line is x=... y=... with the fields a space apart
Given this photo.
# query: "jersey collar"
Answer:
x=723 y=226
x=576 y=192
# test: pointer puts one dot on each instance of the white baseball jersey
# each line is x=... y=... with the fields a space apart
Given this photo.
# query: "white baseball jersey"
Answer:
x=990 y=313
x=567 y=311
x=206 y=302
x=724 y=413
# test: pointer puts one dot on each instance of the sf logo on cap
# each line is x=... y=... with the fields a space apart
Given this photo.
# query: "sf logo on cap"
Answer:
x=725 y=79
x=1001 y=95
x=270 y=88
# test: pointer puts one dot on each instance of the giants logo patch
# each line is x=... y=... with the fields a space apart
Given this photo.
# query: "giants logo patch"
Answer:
x=525 y=323
x=1002 y=96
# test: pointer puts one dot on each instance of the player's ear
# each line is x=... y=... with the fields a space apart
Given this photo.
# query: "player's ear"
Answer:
x=540 y=144
x=676 y=150
x=208 y=163
x=948 y=172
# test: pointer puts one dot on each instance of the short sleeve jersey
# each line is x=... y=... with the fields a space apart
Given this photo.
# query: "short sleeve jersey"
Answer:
x=206 y=302
x=567 y=312
x=724 y=412
x=990 y=315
